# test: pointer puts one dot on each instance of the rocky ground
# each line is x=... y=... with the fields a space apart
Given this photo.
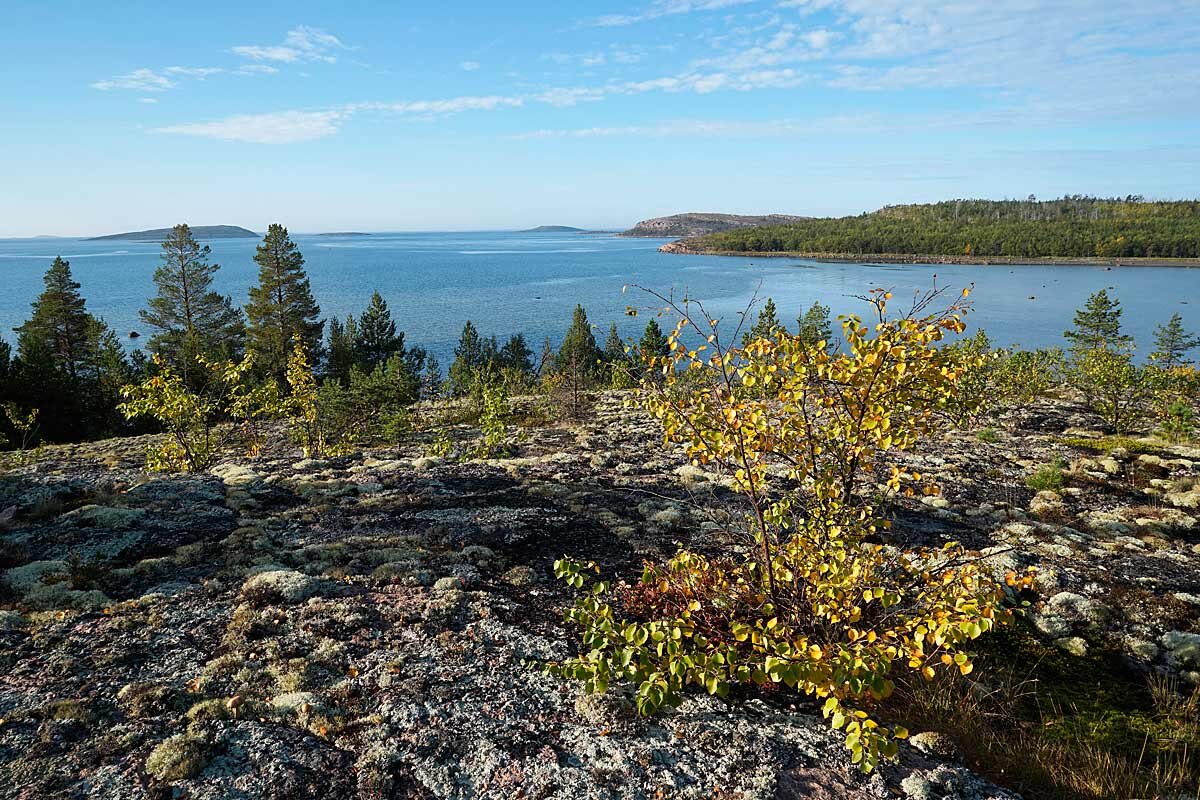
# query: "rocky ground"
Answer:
x=371 y=625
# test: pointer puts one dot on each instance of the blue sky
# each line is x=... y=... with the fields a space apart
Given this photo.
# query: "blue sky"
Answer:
x=483 y=115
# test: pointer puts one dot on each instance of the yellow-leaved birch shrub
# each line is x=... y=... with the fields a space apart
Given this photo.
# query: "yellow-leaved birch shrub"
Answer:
x=318 y=420
x=200 y=423
x=820 y=605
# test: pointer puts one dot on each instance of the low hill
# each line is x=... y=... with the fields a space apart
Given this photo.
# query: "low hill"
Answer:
x=553 y=229
x=1071 y=227
x=699 y=224
x=199 y=231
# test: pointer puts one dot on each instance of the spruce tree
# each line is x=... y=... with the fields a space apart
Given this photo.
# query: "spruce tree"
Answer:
x=654 y=343
x=431 y=380
x=377 y=337
x=579 y=352
x=1172 y=343
x=468 y=357
x=516 y=356
x=190 y=318
x=614 y=347
x=281 y=306
x=341 y=353
x=815 y=326
x=70 y=365
x=1098 y=326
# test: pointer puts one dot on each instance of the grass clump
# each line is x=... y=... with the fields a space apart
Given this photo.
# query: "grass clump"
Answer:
x=1052 y=725
x=1048 y=477
x=987 y=435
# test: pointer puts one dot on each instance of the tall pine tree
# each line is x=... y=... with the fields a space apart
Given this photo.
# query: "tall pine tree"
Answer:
x=56 y=335
x=281 y=306
x=189 y=317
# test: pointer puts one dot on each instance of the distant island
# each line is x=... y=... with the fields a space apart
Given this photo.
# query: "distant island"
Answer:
x=199 y=231
x=553 y=229
x=344 y=233
x=1069 y=230
x=700 y=224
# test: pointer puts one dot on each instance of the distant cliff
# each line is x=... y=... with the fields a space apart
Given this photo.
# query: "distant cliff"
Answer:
x=199 y=231
x=553 y=229
x=700 y=224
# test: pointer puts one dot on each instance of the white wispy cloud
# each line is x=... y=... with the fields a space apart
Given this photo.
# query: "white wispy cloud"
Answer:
x=256 y=69
x=284 y=127
x=194 y=72
x=451 y=105
x=470 y=66
x=713 y=128
x=140 y=80
x=664 y=8
x=301 y=43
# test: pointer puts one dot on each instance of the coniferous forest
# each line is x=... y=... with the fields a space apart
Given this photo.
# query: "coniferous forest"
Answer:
x=1068 y=227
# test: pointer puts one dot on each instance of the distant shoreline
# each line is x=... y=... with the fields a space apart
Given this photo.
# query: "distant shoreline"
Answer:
x=679 y=248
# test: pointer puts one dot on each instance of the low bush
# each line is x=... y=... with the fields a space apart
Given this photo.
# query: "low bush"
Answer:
x=818 y=604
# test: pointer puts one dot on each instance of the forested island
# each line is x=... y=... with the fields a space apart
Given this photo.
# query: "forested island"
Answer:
x=553 y=229
x=199 y=231
x=1069 y=229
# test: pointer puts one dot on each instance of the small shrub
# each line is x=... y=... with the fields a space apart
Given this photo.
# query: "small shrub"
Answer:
x=493 y=421
x=1023 y=376
x=199 y=424
x=816 y=605
x=1113 y=386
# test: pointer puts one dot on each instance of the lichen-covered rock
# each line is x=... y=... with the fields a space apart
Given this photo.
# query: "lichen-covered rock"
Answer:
x=282 y=586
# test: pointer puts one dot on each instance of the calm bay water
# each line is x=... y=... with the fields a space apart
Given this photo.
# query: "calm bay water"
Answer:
x=508 y=282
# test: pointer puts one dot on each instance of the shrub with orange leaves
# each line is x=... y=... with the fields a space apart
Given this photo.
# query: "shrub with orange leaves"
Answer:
x=822 y=606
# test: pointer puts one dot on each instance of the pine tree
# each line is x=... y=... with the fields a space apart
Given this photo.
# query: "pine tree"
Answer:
x=341 y=353
x=1172 y=343
x=765 y=326
x=377 y=337
x=468 y=357
x=815 y=326
x=190 y=318
x=57 y=332
x=579 y=352
x=281 y=306
x=1098 y=325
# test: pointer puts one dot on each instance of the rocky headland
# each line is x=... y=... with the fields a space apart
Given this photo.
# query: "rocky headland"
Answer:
x=373 y=625
x=700 y=224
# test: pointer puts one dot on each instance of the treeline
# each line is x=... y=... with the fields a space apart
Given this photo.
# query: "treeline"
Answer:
x=65 y=381
x=1072 y=226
